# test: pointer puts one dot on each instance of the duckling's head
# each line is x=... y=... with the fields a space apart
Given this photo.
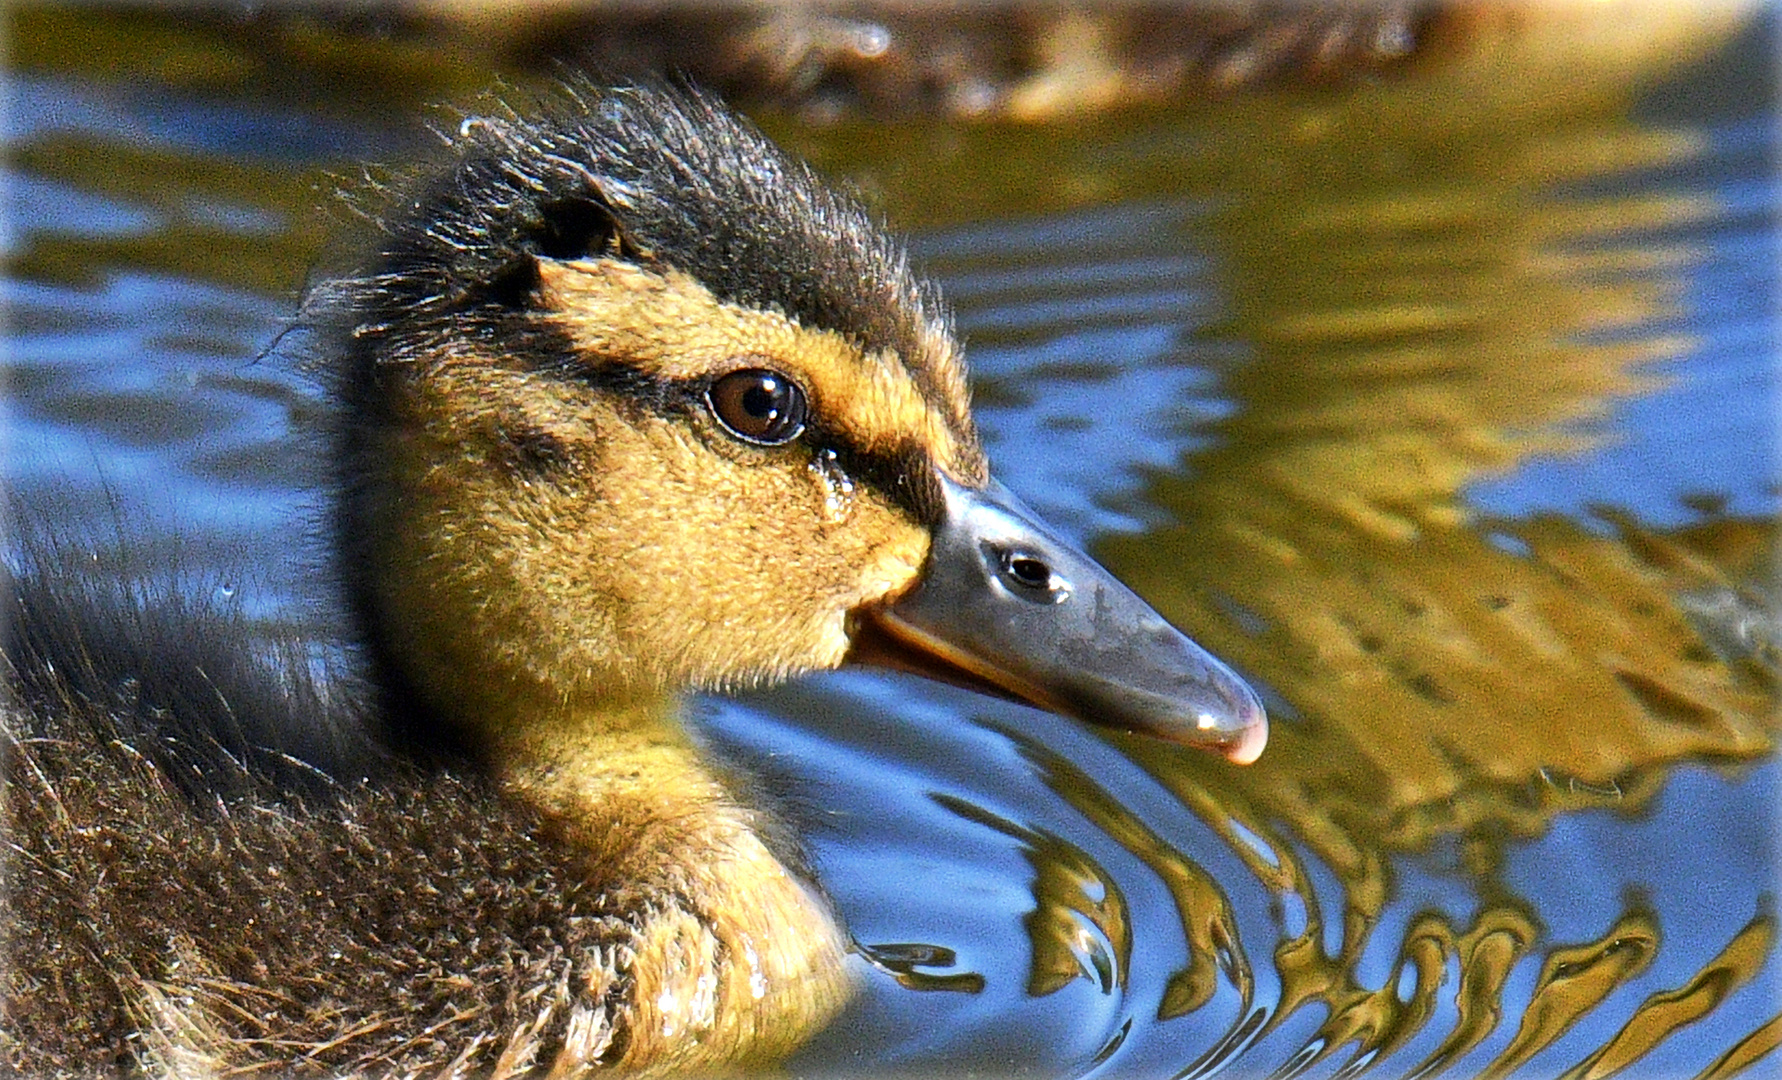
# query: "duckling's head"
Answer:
x=635 y=404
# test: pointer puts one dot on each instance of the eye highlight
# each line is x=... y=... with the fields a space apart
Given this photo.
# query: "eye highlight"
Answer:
x=759 y=406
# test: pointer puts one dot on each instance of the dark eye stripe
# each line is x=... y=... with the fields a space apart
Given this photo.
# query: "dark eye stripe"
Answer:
x=635 y=386
x=902 y=474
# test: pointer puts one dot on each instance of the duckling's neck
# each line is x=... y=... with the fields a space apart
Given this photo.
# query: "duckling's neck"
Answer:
x=737 y=959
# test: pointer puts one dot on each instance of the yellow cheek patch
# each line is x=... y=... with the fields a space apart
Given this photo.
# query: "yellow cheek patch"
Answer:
x=669 y=326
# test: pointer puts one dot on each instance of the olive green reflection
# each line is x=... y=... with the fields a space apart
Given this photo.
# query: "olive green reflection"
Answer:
x=1424 y=310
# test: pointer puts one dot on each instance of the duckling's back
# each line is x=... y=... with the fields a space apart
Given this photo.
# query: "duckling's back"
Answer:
x=183 y=897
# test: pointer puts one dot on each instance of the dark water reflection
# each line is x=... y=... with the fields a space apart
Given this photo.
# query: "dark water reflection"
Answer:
x=1443 y=407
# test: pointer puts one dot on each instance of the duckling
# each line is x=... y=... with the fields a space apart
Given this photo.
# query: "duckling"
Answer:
x=631 y=405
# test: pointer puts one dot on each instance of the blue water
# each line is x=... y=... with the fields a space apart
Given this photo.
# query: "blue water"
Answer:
x=1147 y=380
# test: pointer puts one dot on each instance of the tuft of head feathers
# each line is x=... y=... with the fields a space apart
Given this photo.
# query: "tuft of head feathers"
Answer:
x=689 y=186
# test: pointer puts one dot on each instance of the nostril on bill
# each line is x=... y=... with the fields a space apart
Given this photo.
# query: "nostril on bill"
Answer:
x=1029 y=571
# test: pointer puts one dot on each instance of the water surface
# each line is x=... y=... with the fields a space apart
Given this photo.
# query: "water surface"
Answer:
x=1442 y=405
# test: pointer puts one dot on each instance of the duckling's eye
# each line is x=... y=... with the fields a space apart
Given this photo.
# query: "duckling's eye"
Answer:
x=758 y=406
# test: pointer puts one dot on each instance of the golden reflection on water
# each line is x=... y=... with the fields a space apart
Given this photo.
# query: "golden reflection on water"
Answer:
x=1424 y=310
x=187 y=241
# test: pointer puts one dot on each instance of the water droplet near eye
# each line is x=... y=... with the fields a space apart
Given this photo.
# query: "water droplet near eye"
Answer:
x=838 y=487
